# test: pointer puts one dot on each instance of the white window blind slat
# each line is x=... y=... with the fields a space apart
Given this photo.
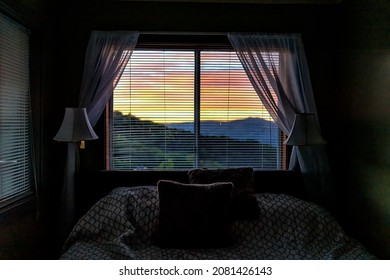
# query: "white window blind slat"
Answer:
x=154 y=114
x=233 y=120
x=15 y=157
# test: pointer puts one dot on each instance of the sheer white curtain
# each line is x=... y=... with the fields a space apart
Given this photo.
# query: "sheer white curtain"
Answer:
x=107 y=55
x=285 y=93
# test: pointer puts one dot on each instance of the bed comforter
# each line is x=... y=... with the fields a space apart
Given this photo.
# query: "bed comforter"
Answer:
x=120 y=226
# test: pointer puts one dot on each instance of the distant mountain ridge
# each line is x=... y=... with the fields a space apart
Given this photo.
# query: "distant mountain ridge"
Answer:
x=255 y=129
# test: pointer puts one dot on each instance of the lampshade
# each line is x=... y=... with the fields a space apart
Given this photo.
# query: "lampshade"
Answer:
x=75 y=127
x=304 y=131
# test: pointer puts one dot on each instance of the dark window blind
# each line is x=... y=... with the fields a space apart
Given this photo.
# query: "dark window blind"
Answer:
x=15 y=152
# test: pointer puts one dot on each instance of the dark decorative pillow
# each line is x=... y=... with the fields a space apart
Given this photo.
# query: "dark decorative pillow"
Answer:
x=193 y=215
x=244 y=205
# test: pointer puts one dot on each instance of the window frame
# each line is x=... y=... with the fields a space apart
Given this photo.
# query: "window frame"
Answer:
x=193 y=44
x=24 y=192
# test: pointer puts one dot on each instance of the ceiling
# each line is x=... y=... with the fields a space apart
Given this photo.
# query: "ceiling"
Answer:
x=247 y=1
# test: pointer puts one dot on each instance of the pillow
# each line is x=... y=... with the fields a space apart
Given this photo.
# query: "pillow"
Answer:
x=244 y=205
x=193 y=215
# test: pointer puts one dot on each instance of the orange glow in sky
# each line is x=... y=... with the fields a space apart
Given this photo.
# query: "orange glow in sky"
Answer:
x=168 y=96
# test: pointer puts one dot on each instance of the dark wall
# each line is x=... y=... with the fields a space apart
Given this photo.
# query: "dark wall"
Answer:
x=348 y=53
x=359 y=120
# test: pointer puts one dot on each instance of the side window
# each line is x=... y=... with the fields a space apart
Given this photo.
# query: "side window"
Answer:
x=15 y=152
x=185 y=109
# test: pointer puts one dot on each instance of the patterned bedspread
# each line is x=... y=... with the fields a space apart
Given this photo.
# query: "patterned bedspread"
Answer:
x=120 y=225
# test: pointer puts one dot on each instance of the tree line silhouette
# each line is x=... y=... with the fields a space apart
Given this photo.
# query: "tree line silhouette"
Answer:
x=139 y=144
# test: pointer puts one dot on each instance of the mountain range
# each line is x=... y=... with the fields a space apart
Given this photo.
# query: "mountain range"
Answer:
x=255 y=129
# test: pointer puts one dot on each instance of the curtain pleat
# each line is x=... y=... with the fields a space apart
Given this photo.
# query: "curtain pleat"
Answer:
x=284 y=95
x=106 y=57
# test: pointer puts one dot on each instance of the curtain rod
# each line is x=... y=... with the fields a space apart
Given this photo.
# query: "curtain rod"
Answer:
x=182 y=33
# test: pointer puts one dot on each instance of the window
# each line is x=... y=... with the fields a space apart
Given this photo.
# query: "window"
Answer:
x=180 y=109
x=15 y=159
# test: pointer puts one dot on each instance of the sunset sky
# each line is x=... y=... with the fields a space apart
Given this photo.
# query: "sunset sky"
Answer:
x=162 y=88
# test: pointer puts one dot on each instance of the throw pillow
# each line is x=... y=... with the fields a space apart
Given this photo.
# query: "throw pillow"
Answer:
x=193 y=215
x=244 y=205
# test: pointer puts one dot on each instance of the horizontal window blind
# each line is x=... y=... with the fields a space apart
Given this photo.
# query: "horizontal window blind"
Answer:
x=157 y=123
x=234 y=123
x=15 y=157
x=155 y=91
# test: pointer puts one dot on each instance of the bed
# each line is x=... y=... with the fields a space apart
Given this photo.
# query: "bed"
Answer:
x=182 y=215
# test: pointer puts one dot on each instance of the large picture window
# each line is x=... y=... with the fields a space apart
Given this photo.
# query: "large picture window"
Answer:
x=15 y=152
x=180 y=109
